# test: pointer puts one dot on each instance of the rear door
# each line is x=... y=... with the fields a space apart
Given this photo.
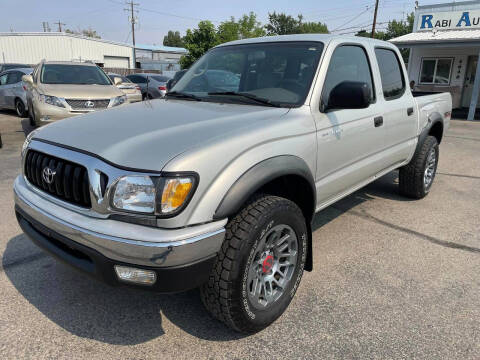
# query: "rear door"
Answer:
x=14 y=82
x=3 y=88
x=349 y=140
x=398 y=105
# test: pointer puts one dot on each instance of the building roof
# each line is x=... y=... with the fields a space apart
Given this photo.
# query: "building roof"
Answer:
x=140 y=47
x=160 y=48
x=440 y=37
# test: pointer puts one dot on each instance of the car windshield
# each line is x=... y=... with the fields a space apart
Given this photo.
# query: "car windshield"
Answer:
x=278 y=73
x=160 y=78
x=73 y=74
x=124 y=79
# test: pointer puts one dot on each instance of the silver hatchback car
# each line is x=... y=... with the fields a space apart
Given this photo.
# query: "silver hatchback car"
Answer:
x=13 y=91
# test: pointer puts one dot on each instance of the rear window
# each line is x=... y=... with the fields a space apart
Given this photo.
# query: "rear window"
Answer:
x=160 y=78
x=393 y=83
x=73 y=74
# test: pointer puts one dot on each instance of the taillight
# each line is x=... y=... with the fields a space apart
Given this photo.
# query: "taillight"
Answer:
x=137 y=87
x=24 y=88
x=164 y=88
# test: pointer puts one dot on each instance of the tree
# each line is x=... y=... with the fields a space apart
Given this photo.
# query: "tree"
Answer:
x=282 y=24
x=250 y=27
x=85 y=32
x=173 y=38
x=198 y=42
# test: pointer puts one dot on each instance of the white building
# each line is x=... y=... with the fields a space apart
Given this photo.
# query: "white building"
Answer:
x=444 y=50
x=31 y=48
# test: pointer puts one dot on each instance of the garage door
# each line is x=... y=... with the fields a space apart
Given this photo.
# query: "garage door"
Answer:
x=116 y=62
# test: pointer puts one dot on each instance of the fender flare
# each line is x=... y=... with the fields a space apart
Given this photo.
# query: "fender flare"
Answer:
x=259 y=175
x=432 y=120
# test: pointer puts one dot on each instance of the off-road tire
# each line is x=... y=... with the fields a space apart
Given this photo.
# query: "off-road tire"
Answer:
x=411 y=176
x=225 y=294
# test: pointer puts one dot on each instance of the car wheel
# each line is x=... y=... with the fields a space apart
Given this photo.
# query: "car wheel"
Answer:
x=260 y=264
x=416 y=178
x=20 y=108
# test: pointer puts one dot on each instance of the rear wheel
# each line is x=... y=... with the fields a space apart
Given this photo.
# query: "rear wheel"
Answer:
x=259 y=266
x=416 y=178
x=20 y=108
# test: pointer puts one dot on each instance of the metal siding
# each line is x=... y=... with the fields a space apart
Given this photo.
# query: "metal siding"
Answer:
x=31 y=49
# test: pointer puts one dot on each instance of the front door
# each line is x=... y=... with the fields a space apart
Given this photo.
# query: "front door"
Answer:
x=469 y=80
x=347 y=138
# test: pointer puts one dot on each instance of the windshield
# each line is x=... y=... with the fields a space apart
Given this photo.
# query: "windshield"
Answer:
x=73 y=74
x=279 y=72
x=124 y=79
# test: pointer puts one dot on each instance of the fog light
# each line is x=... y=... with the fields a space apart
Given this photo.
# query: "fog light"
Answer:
x=135 y=275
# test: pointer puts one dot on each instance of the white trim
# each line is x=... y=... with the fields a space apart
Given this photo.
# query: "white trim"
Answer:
x=435 y=71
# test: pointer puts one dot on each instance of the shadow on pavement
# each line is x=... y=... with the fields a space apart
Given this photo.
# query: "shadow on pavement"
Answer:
x=88 y=308
x=125 y=316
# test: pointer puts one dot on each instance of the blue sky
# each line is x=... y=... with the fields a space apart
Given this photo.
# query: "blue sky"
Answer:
x=156 y=17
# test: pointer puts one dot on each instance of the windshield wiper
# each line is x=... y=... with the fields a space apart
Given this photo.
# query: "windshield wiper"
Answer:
x=247 y=96
x=182 y=95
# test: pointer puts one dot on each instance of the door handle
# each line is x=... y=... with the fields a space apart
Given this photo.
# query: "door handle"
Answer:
x=410 y=111
x=378 y=121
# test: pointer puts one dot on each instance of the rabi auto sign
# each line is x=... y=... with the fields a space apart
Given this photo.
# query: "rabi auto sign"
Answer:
x=449 y=20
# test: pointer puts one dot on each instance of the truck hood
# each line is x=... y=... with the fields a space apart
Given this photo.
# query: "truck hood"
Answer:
x=147 y=135
x=90 y=92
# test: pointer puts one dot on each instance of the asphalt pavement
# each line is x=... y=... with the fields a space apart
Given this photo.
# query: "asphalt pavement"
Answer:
x=392 y=278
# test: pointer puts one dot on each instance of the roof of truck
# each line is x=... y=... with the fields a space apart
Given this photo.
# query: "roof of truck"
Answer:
x=325 y=38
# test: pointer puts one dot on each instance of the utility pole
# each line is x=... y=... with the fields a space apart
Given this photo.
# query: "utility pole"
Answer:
x=46 y=26
x=133 y=20
x=374 y=18
x=59 y=25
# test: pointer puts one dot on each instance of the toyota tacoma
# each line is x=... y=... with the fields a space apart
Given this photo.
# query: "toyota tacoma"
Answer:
x=216 y=185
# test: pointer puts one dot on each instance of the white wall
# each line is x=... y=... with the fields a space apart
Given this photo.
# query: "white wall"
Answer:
x=460 y=56
x=32 y=48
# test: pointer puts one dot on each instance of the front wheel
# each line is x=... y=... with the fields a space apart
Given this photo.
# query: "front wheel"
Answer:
x=416 y=178
x=260 y=265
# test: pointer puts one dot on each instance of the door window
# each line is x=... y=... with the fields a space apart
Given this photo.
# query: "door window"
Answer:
x=14 y=77
x=3 y=79
x=348 y=63
x=393 y=82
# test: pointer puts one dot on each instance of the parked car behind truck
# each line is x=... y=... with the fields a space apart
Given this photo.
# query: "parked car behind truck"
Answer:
x=13 y=91
x=153 y=86
x=131 y=90
x=221 y=192
x=57 y=90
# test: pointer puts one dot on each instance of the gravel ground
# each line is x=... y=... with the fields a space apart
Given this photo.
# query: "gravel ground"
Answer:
x=393 y=278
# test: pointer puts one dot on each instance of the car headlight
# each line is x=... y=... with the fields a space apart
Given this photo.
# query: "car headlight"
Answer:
x=164 y=196
x=27 y=142
x=135 y=193
x=119 y=100
x=51 y=100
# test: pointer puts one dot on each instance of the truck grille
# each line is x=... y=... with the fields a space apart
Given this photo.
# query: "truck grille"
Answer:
x=88 y=104
x=62 y=179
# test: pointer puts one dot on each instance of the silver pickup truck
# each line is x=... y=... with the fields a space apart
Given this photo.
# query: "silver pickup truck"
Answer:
x=216 y=185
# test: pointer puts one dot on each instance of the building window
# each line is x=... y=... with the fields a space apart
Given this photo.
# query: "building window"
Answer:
x=436 y=71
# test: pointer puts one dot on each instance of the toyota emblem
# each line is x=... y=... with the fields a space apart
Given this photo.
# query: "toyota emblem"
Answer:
x=89 y=104
x=48 y=175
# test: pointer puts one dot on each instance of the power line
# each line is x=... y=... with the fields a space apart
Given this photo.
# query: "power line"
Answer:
x=355 y=17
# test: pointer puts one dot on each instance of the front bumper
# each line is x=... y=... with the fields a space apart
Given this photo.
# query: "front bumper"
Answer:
x=181 y=258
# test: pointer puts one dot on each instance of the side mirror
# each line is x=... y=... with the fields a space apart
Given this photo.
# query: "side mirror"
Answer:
x=117 y=80
x=350 y=95
x=28 y=79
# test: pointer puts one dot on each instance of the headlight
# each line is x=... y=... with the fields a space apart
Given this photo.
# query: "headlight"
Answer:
x=51 y=100
x=27 y=142
x=165 y=196
x=135 y=193
x=119 y=100
x=175 y=194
